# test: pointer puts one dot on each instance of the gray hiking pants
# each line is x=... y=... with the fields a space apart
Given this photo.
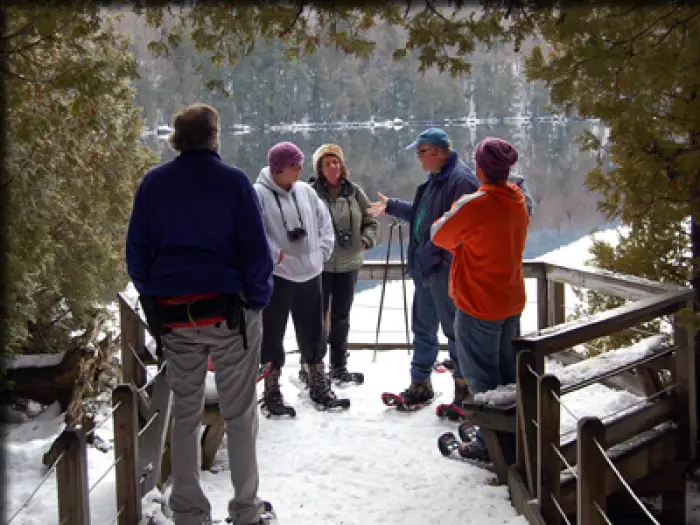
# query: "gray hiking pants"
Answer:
x=186 y=352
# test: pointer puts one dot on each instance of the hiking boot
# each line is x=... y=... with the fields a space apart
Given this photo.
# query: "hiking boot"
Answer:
x=320 y=390
x=340 y=374
x=461 y=391
x=418 y=392
x=273 y=402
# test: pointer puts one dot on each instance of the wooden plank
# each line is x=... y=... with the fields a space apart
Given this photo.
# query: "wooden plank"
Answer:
x=596 y=374
x=382 y=347
x=619 y=285
x=166 y=465
x=126 y=454
x=604 y=323
x=654 y=451
x=686 y=390
x=548 y=462
x=211 y=441
x=542 y=304
x=591 y=463
x=557 y=302
x=71 y=479
x=493 y=444
x=625 y=426
x=152 y=439
x=522 y=500
x=132 y=340
x=504 y=423
x=374 y=270
x=527 y=412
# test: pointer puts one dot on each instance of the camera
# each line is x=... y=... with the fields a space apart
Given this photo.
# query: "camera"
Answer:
x=344 y=238
x=296 y=234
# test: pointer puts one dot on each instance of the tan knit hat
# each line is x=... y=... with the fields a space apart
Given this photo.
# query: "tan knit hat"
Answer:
x=327 y=149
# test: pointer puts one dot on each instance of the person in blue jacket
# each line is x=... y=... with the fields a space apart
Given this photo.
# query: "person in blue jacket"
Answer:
x=197 y=253
x=429 y=266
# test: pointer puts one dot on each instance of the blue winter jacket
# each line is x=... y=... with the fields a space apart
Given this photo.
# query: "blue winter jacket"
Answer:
x=196 y=228
x=454 y=180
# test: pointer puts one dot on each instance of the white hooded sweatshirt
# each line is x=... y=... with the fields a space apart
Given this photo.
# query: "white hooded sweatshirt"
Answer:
x=303 y=259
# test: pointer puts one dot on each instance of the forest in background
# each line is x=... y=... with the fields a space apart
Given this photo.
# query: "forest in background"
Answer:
x=264 y=88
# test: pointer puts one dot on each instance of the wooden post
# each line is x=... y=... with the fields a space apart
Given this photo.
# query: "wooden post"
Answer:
x=133 y=336
x=71 y=477
x=542 y=303
x=526 y=412
x=548 y=462
x=686 y=391
x=126 y=454
x=557 y=303
x=591 y=472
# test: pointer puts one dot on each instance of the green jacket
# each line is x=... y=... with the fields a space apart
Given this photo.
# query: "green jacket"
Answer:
x=349 y=214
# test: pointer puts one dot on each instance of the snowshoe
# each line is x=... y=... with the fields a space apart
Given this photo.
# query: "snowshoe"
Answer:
x=454 y=411
x=266 y=516
x=418 y=395
x=470 y=451
x=450 y=411
x=399 y=402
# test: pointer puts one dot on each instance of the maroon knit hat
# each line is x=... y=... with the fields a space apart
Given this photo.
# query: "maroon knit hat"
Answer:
x=283 y=155
x=495 y=157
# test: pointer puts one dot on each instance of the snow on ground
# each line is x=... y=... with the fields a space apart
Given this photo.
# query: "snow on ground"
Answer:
x=369 y=465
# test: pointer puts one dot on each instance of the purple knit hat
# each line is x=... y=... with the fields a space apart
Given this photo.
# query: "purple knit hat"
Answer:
x=495 y=157
x=283 y=155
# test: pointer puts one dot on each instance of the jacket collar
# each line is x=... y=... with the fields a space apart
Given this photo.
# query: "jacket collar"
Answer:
x=347 y=190
x=446 y=169
x=200 y=153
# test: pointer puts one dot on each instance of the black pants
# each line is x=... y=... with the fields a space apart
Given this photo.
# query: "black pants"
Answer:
x=338 y=295
x=305 y=302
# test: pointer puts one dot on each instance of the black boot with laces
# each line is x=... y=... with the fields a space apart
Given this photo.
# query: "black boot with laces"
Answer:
x=320 y=390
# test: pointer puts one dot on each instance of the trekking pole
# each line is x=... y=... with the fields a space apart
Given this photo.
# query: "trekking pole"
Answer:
x=381 y=299
x=403 y=286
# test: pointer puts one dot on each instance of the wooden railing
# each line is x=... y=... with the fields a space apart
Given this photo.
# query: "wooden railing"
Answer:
x=539 y=489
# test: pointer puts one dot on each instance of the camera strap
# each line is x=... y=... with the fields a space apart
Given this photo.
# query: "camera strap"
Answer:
x=330 y=211
x=279 y=205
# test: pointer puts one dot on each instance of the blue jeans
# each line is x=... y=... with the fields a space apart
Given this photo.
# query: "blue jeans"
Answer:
x=485 y=351
x=487 y=358
x=432 y=308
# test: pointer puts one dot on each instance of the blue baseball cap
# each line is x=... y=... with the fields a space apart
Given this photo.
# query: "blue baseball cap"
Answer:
x=433 y=136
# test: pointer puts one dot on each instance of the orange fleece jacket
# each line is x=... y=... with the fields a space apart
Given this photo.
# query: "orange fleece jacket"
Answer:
x=486 y=232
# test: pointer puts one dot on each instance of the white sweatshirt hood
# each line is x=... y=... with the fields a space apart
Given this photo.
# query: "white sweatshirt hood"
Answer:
x=300 y=207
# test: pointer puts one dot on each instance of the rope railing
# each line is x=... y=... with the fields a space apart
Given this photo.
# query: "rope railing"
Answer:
x=46 y=475
x=108 y=417
x=624 y=483
x=148 y=423
x=568 y=466
x=558 y=507
x=115 y=520
x=602 y=513
x=105 y=473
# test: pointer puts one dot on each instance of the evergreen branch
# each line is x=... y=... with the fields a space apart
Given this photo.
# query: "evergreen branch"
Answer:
x=673 y=26
x=408 y=8
x=430 y=4
x=298 y=14
x=19 y=32
x=618 y=43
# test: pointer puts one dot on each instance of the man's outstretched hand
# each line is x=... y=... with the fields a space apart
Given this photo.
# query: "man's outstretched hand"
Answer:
x=378 y=207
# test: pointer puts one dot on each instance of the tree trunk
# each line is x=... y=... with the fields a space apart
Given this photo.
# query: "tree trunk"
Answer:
x=695 y=283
